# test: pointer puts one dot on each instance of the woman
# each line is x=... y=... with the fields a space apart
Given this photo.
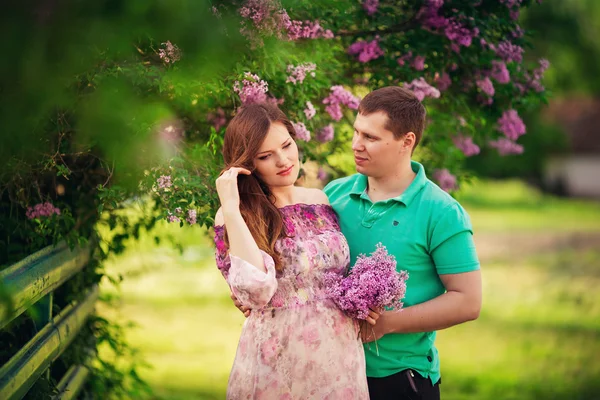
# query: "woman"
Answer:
x=274 y=243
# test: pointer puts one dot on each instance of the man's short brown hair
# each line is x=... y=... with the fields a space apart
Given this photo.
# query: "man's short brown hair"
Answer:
x=404 y=110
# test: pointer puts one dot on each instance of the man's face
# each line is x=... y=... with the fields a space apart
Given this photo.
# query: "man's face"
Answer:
x=376 y=152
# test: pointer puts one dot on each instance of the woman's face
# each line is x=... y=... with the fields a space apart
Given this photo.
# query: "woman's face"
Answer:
x=277 y=162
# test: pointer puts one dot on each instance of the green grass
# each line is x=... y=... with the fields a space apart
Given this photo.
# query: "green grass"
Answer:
x=538 y=336
x=512 y=206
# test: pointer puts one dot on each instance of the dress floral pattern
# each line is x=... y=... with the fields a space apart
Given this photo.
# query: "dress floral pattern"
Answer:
x=296 y=344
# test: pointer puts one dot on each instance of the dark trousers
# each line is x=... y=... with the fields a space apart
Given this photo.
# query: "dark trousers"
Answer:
x=405 y=385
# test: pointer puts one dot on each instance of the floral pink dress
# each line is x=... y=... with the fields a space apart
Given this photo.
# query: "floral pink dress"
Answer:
x=296 y=344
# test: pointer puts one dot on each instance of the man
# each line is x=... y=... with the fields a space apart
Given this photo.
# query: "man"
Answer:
x=391 y=201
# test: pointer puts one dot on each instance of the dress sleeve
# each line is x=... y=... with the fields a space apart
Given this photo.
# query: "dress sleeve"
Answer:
x=252 y=287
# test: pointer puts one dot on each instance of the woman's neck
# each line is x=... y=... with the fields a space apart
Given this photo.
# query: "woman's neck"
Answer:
x=285 y=195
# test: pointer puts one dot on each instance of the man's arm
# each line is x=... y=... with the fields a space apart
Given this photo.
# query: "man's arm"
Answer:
x=460 y=303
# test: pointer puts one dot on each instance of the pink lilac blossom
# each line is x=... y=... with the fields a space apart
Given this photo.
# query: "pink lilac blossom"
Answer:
x=171 y=131
x=443 y=81
x=298 y=74
x=170 y=53
x=339 y=96
x=500 y=72
x=302 y=133
x=458 y=33
x=366 y=51
x=269 y=18
x=372 y=283
x=251 y=89
x=402 y=60
x=538 y=74
x=429 y=15
x=518 y=32
x=486 y=86
x=511 y=124
x=307 y=30
x=173 y=218
x=46 y=209
x=370 y=6
x=466 y=145
x=164 y=182
x=309 y=111
x=178 y=210
x=191 y=217
x=422 y=89
x=506 y=146
x=445 y=180
x=419 y=63
x=509 y=52
x=326 y=134
x=321 y=174
x=217 y=119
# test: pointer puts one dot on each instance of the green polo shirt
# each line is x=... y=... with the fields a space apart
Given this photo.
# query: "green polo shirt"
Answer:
x=429 y=233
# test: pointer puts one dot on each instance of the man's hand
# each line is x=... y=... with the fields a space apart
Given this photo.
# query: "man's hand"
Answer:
x=245 y=310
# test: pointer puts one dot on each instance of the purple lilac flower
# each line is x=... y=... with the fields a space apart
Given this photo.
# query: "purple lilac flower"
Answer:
x=251 y=89
x=164 y=182
x=326 y=134
x=422 y=89
x=170 y=53
x=191 y=217
x=321 y=174
x=373 y=282
x=518 y=32
x=429 y=15
x=217 y=119
x=486 y=86
x=370 y=6
x=445 y=179
x=466 y=145
x=173 y=218
x=46 y=209
x=302 y=133
x=339 y=96
x=458 y=33
x=419 y=63
x=298 y=74
x=309 y=111
x=509 y=52
x=538 y=74
x=511 y=124
x=306 y=30
x=366 y=51
x=402 y=60
x=506 y=146
x=500 y=72
x=443 y=81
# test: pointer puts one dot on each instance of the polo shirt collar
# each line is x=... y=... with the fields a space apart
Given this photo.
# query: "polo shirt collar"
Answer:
x=360 y=186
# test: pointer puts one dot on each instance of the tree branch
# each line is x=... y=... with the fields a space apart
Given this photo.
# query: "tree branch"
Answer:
x=402 y=27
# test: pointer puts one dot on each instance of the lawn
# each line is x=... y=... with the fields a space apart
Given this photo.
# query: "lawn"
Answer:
x=538 y=336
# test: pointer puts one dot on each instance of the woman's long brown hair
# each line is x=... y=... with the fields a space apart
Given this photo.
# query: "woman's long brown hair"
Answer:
x=243 y=138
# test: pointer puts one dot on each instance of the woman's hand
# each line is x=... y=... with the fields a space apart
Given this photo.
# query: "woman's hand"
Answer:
x=373 y=316
x=227 y=188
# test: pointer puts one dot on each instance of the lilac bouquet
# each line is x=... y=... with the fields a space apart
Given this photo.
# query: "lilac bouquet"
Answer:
x=373 y=283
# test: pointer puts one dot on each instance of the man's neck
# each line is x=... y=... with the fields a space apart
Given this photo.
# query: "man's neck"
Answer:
x=390 y=186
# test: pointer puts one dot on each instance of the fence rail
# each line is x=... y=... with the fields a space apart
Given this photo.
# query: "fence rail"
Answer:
x=31 y=283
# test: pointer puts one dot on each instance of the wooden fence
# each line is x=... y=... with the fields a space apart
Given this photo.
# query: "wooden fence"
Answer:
x=31 y=283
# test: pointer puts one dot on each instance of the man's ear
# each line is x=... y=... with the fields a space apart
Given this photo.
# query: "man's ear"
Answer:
x=409 y=140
